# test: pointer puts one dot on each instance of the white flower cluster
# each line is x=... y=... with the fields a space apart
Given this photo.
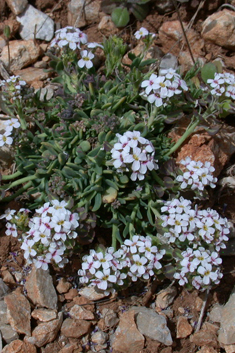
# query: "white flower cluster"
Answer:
x=159 y=89
x=199 y=268
x=12 y=87
x=223 y=84
x=49 y=229
x=192 y=226
x=69 y=37
x=73 y=38
x=6 y=137
x=197 y=175
x=136 y=259
x=135 y=152
x=203 y=232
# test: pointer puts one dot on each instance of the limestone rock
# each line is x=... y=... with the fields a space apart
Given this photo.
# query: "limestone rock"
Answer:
x=35 y=24
x=18 y=312
x=110 y=317
x=166 y=297
x=17 y=6
x=72 y=328
x=184 y=329
x=23 y=53
x=219 y=28
x=92 y=294
x=153 y=325
x=40 y=289
x=19 y=346
x=127 y=337
x=46 y=332
x=168 y=61
x=82 y=13
x=216 y=313
x=227 y=324
x=79 y=312
x=3 y=313
x=44 y=315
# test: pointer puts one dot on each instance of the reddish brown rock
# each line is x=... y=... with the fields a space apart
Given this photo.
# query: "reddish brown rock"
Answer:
x=206 y=349
x=204 y=338
x=71 y=348
x=18 y=312
x=19 y=346
x=166 y=297
x=219 y=28
x=84 y=302
x=184 y=329
x=32 y=74
x=127 y=337
x=75 y=328
x=72 y=293
x=63 y=286
x=45 y=332
x=17 y=6
x=172 y=39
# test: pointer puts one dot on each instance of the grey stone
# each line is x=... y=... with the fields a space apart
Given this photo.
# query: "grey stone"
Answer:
x=216 y=313
x=3 y=313
x=40 y=288
x=99 y=337
x=169 y=61
x=8 y=334
x=82 y=13
x=166 y=297
x=4 y=289
x=152 y=325
x=227 y=323
x=35 y=24
x=17 y=6
x=164 y=6
x=92 y=294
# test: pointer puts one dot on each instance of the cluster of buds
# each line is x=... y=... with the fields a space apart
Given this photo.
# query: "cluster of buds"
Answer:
x=196 y=175
x=46 y=236
x=10 y=124
x=223 y=84
x=159 y=89
x=133 y=153
x=136 y=259
x=12 y=87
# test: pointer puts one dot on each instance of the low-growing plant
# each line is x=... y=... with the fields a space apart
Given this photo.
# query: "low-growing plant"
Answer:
x=100 y=148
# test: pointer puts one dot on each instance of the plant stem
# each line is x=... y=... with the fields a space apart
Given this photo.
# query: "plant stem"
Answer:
x=17 y=193
x=187 y=133
x=11 y=176
x=151 y=117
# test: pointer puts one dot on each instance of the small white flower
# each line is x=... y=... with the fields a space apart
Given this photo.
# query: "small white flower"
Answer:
x=142 y=32
x=6 y=139
x=86 y=59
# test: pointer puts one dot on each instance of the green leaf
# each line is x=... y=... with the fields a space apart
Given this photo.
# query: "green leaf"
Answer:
x=120 y=17
x=140 y=11
x=208 y=71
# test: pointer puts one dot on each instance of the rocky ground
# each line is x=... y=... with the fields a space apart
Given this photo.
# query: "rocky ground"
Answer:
x=47 y=313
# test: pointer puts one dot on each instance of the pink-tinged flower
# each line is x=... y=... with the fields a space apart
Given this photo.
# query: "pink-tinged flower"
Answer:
x=155 y=98
x=41 y=262
x=86 y=59
x=8 y=215
x=150 y=84
x=104 y=260
x=90 y=264
x=181 y=277
x=11 y=230
x=133 y=243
